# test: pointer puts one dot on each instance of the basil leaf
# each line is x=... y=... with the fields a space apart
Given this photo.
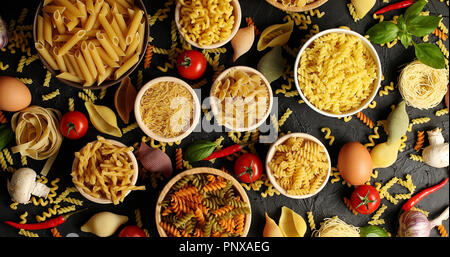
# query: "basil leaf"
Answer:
x=415 y=9
x=406 y=39
x=383 y=32
x=421 y=26
x=6 y=135
x=430 y=55
x=199 y=150
x=401 y=23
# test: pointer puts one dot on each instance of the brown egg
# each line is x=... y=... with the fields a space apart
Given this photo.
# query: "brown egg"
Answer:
x=446 y=98
x=14 y=95
x=354 y=163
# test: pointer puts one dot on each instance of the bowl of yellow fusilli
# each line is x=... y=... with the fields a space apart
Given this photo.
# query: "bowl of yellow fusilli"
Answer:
x=210 y=26
x=298 y=165
x=203 y=202
x=337 y=73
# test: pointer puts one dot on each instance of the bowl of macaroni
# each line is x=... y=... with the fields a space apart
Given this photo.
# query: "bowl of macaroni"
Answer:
x=298 y=165
x=241 y=98
x=208 y=27
x=95 y=171
x=91 y=44
x=167 y=109
x=337 y=73
x=296 y=5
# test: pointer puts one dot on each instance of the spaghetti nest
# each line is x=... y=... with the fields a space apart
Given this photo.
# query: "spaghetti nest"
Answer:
x=422 y=86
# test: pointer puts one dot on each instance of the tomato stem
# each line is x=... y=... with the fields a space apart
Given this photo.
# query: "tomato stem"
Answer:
x=71 y=127
x=249 y=171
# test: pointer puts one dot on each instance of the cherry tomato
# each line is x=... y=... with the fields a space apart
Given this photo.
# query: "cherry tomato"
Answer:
x=365 y=199
x=248 y=168
x=191 y=64
x=132 y=231
x=73 y=125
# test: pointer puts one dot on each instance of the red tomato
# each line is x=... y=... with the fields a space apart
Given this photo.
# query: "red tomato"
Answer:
x=191 y=64
x=248 y=168
x=73 y=125
x=365 y=199
x=132 y=231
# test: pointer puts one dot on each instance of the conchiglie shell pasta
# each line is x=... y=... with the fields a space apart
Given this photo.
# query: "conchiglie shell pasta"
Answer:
x=271 y=228
x=103 y=119
x=243 y=41
x=104 y=224
x=291 y=223
x=362 y=7
x=275 y=35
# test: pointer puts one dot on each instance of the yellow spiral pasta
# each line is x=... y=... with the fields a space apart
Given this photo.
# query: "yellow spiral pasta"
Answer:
x=328 y=135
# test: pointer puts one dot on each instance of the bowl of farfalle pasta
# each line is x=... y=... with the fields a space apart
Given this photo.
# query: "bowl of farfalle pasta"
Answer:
x=208 y=26
x=298 y=165
x=296 y=5
x=203 y=202
x=241 y=98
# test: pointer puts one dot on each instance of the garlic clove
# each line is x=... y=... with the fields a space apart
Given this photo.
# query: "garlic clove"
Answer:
x=243 y=41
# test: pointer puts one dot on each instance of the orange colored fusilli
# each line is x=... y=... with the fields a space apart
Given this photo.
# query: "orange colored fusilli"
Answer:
x=420 y=141
x=440 y=34
x=148 y=56
x=365 y=120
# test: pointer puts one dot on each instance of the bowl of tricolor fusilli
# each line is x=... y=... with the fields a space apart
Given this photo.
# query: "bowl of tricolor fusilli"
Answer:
x=203 y=202
x=298 y=165
x=337 y=73
x=208 y=24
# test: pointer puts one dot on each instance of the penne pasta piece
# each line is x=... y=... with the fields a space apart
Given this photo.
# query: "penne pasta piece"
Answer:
x=75 y=66
x=126 y=66
x=48 y=29
x=118 y=31
x=82 y=7
x=137 y=17
x=141 y=31
x=107 y=46
x=90 y=6
x=105 y=24
x=40 y=29
x=72 y=41
x=132 y=48
x=53 y=8
x=121 y=22
x=46 y=55
x=88 y=58
x=69 y=76
x=89 y=80
x=69 y=66
x=46 y=2
x=70 y=24
x=59 y=59
x=102 y=77
x=96 y=58
x=59 y=22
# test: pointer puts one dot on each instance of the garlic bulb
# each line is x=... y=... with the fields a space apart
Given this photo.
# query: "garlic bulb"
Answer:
x=437 y=153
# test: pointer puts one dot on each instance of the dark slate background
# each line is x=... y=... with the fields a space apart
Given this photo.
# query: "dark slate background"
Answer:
x=327 y=203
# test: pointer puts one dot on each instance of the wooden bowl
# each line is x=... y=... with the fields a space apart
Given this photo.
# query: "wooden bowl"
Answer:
x=106 y=83
x=271 y=153
x=307 y=7
x=205 y=170
x=133 y=179
x=146 y=129
x=249 y=70
x=374 y=54
x=237 y=24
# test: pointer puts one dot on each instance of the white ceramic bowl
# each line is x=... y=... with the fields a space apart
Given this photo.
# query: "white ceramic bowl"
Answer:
x=215 y=109
x=237 y=23
x=375 y=56
x=146 y=129
x=271 y=153
x=133 y=179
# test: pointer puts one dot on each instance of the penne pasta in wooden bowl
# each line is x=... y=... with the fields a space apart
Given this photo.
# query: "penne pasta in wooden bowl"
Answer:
x=91 y=44
x=308 y=5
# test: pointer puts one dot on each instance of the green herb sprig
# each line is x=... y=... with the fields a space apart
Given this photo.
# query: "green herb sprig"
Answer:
x=411 y=24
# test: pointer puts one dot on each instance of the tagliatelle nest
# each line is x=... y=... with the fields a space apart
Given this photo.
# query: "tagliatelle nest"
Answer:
x=422 y=86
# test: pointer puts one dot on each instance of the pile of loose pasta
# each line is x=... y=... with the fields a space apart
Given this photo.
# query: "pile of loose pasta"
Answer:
x=242 y=99
x=167 y=109
x=105 y=171
x=300 y=166
x=206 y=22
x=337 y=73
x=90 y=41
x=422 y=86
x=335 y=227
x=203 y=205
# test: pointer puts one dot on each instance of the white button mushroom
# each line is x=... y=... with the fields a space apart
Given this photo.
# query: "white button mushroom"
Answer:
x=23 y=184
